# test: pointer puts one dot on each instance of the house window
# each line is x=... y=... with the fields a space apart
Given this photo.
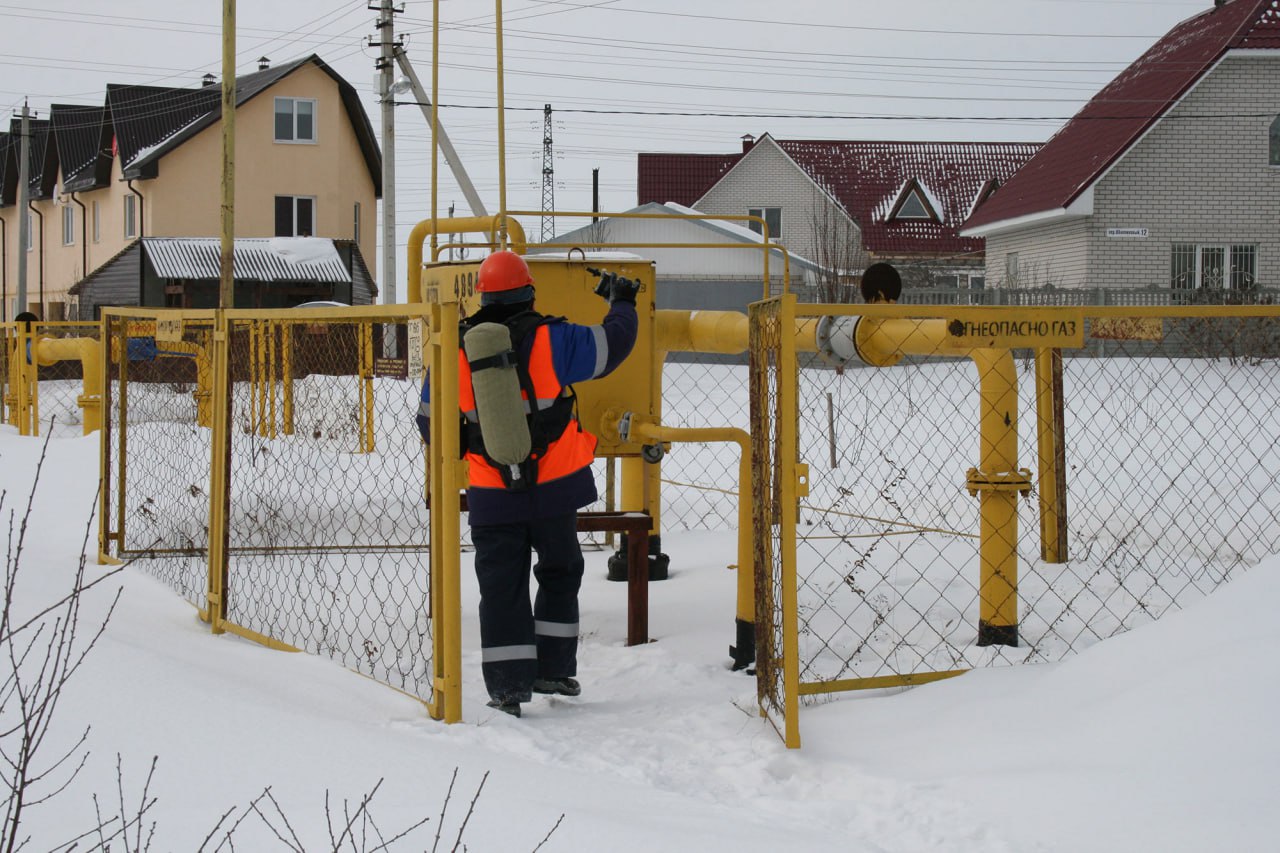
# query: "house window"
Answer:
x=68 y=225
x=1275 y=142
x=1011 y=269
x=130 y=216
x=295 y=216
x=1213 y=266
x=772 y=217
x=97 y=223
x=295 y=120
x=356 y=225
x=913 y=208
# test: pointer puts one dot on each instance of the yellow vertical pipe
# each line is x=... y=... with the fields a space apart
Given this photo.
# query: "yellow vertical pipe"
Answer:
x=255 y=408
x=273 y=330
x=286 y=369
x=219 y=478
x=104 y=453
x=204 y=385
x=789 y=454
x=11 y=378
x=435 y=503
x=122 y=431
x=26 y=385
x=997 y=508
x=1051 y=444
x=502 y=133
x=366 y=388
x=453 y=477
x=435 y=127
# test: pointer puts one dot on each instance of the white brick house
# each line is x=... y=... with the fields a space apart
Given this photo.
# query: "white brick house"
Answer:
x=1169 y=177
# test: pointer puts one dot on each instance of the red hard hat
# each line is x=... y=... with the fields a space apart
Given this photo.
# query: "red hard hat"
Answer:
x=503 y=270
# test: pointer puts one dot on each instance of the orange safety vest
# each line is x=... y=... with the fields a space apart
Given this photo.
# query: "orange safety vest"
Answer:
x=568 y=453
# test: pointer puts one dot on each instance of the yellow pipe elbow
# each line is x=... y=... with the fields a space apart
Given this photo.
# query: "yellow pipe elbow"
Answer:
x=489 y=225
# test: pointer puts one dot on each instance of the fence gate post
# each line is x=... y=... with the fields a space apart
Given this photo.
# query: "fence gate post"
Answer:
x=219 y=474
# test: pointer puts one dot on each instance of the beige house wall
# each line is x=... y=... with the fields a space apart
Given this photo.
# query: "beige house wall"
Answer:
x=184 y=200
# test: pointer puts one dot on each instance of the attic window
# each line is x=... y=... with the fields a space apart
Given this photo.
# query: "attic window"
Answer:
x=772 y=217
x=913 y=204
x=1275 y=142
x=295 y=120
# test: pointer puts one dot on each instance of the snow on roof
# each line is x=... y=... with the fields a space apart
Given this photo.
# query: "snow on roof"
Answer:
x=256 y=259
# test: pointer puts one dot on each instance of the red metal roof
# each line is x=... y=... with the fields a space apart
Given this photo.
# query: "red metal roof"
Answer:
x=1117 y=117
x=682 y=178
x=867 y=179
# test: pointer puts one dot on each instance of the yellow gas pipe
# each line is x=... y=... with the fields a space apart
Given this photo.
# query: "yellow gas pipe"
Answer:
x=997 y=480
x=87 y=351
x=488 y=225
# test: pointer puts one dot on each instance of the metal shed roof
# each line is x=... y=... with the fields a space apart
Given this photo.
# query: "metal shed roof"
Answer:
x=277 y=259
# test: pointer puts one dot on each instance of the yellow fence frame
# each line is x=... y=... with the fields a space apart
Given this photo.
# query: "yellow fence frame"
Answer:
x=791 y=476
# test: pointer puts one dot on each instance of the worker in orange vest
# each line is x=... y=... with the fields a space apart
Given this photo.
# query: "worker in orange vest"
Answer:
x=519 y=508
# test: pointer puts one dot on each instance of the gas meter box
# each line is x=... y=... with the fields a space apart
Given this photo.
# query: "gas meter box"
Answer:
x=566 y=288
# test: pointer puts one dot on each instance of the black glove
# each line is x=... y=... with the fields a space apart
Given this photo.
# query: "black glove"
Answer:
x=616 y=288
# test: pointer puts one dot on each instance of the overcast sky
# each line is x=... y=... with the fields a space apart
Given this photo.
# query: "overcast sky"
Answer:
x=800 y=69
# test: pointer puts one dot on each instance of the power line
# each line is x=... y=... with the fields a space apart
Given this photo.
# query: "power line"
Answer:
x=847 y=116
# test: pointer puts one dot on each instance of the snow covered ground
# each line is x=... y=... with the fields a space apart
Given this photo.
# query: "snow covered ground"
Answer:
x=1160 y=739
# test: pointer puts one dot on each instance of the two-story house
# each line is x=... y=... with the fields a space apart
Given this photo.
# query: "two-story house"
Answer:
x=847 y=204
x=1169 y=177
x=114 y=187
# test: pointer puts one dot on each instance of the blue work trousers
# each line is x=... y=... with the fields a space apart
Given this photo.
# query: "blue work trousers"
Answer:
x=519 y=644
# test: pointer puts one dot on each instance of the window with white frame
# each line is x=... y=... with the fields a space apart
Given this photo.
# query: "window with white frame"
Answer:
x=1011 y=269
x=31 y=240
x=1213 y=266
x=295 y=216
x=772 y=217
x=97 y=222
x=1275 y=142
x=295 y=120
x=130 y=216
x=68 y=225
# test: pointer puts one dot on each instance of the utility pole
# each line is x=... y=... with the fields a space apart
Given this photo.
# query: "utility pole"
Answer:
x=386 y=65
x=24 y=199
x=443 y=142
x=548 y=177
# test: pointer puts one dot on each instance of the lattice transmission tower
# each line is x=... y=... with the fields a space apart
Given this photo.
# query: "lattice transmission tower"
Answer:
x=548 y=177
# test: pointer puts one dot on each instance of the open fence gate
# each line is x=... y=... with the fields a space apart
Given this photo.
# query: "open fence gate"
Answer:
x=267 y=466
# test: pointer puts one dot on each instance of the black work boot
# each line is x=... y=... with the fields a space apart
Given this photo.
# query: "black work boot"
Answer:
x=558 y=686
x=512 y=708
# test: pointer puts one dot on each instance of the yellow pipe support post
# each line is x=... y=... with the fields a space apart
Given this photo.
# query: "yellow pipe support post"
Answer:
x=366 y=388
x=273 y=331
x=448 y=474
x=1052 y=446
x=27 y=402
x=219 y=480
x=286 y=378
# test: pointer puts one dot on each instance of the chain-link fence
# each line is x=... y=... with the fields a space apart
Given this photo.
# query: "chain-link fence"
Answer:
x=157 y=440
x=327 y=524
x=934 y=538
x=323 y=506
